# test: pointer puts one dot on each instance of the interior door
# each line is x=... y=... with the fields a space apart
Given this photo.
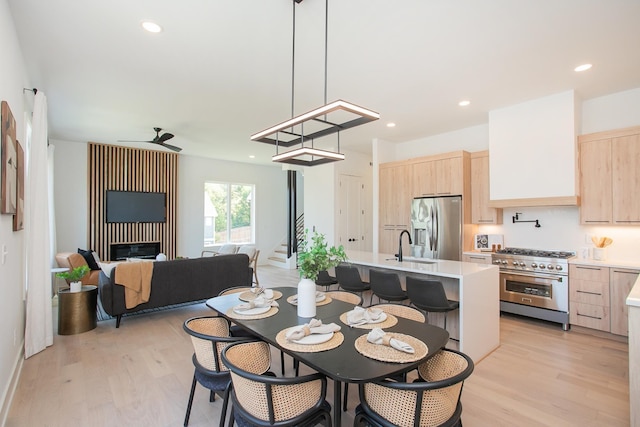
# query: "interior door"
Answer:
x=350 y=213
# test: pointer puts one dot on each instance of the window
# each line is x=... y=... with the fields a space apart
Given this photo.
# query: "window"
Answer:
x=228 y=213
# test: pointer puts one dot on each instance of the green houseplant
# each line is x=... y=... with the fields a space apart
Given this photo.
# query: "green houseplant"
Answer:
x=74 y=277
x=314 y=255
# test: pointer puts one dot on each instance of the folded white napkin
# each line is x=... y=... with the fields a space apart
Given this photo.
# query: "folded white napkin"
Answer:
x=315 y=326
x=360 y=316
x=320 y=296
x=259 y=301
x=378 y=336
x=267 y=293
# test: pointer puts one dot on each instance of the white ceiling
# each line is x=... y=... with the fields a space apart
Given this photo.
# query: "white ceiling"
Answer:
x=221 y=70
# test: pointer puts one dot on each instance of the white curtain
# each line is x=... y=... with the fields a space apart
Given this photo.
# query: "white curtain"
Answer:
x=39 y=322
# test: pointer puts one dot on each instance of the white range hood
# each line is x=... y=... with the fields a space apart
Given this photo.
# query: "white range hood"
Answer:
x=532 y=153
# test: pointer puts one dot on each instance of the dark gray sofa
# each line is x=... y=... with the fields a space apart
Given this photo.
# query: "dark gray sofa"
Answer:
x=179 y=281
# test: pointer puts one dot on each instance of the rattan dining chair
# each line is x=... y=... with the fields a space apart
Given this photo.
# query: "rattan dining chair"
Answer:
x=263 y=400
x=434 y=402
x=386 y=286
x=209 y=335
x=349 y=279
x=429 y=295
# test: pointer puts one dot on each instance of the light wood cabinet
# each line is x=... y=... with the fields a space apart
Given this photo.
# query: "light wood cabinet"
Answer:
x=589 y=296
x=443 y=177
x=478 y=259
x=394 y=204
x=609 y=173
x=481 y=213
x=625 y=159
x=621 y=282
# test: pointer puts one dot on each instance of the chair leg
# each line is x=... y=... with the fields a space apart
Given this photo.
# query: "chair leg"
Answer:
x=225 y=404
x=282 y=362
x=193 y=389
x=212 y=396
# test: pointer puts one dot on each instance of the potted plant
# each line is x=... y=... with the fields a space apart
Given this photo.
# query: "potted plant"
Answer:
x=74 y=276
x=314 y=255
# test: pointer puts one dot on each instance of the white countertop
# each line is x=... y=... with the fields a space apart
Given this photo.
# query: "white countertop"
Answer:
x=443 y=268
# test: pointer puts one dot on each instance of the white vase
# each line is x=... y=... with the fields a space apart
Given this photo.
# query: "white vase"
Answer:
x=306 y=298
x=75 y=286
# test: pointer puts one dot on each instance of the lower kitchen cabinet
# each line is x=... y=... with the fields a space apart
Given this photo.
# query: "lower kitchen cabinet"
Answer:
x=597 y=297
x=622 y=280
x=589 y=296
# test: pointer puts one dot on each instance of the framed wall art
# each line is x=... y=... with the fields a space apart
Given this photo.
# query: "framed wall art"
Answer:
x=9 y=183
x=18 y=217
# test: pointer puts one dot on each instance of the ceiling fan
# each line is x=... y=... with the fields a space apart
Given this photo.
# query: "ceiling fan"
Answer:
x=160 y=140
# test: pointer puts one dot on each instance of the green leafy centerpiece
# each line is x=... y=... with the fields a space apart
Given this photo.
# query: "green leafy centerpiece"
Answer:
x=314 y=255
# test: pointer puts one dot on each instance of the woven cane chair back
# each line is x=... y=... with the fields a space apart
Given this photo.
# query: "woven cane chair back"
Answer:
x=403 y=311
x=345 y=296
x=208 y=333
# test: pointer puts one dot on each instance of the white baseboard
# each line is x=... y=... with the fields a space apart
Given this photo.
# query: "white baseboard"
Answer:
x=11 y=387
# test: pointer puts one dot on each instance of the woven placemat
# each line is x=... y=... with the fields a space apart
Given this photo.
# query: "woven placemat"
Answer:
x=234 y=315
x=325 y=301
x=385 y=353
x=334 y=342
x=390 y=321
x=250 y=296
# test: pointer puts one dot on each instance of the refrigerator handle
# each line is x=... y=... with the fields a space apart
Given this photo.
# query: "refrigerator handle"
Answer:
x=437 y=230
x=431 y=236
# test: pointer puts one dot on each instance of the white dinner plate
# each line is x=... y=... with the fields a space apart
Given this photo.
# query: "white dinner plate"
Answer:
x=321 y=297
x=252 y=311
x=314 y=339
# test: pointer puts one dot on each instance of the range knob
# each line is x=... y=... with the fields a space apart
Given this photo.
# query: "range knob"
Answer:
x=534 y=265
x=496 y=261
x=504 y=262
x=558 y=267
x=550 y=267
x=522 y=264
x=542 y=266
x=515 y=263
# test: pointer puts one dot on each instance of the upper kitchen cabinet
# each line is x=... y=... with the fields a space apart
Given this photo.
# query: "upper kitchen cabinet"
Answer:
x=395 y=194
x=438 y=176
x=609 y=177
x=481 y=213
x=532 y=152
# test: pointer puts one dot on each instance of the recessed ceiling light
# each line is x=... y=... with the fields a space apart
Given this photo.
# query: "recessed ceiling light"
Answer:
x=391 y=125
x=464 y=103
x=152 y=27
x=583 y=67
x=251 y=156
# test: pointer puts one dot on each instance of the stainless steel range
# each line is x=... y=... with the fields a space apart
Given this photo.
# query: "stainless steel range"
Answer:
x=535 y=283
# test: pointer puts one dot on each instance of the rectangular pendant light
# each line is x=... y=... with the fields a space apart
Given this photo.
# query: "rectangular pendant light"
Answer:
x=300 y=156
x=318 y=116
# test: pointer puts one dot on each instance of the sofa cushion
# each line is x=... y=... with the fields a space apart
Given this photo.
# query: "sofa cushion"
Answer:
x=88 y=256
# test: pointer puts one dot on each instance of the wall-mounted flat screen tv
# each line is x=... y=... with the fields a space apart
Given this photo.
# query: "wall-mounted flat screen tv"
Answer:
x=136 y=206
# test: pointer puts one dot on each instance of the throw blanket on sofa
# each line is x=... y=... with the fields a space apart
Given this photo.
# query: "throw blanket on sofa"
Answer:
x=136 y=279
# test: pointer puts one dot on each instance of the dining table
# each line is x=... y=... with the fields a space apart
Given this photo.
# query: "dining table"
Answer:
x=343 y=363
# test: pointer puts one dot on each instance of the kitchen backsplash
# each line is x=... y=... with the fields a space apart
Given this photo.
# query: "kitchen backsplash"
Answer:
x=560 y=229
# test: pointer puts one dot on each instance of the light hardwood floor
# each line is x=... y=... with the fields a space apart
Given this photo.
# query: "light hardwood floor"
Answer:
x=140 y=375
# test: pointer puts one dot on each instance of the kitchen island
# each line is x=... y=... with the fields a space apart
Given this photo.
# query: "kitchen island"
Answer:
x=476 y=325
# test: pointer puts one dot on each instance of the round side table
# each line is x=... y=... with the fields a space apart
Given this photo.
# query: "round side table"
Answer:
x=77 y=310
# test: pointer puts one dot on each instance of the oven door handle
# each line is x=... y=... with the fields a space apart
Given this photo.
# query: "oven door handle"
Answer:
x=533 y=276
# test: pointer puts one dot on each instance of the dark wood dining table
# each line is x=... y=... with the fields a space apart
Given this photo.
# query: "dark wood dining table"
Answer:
x=343 y=363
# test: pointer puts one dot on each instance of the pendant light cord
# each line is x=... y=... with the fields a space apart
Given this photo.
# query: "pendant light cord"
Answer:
x=293 y=57
x=326 y=44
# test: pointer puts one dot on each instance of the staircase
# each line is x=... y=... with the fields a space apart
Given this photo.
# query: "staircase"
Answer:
x=278 y=258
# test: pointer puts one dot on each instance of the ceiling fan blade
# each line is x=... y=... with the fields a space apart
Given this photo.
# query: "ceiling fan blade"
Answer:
x=165 y=136
x=123 y=140
x=170 y=147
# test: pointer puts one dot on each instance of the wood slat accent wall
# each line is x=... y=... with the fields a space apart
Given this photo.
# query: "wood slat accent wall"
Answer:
x=113 y=167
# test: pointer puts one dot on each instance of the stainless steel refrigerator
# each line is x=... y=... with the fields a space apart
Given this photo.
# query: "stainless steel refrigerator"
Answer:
x=436 y=227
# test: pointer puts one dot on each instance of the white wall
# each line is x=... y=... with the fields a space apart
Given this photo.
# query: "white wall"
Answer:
x=12 y=311
x=271 y=201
